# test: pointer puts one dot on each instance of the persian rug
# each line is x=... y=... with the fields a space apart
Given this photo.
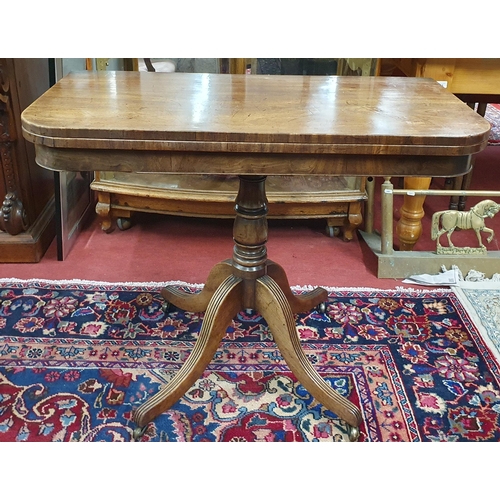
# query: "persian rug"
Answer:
x=493 y=116
x=76 y=358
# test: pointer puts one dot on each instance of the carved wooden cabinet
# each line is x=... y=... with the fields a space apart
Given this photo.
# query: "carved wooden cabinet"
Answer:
x=27 y=191
x=338 y=200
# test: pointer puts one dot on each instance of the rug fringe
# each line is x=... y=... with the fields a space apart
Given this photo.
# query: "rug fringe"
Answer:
x=161 y=284
x=422 y=290
x=75 y=281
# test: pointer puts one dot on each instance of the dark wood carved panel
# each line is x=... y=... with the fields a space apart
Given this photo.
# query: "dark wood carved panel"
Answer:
x=13 y=219
x=26 y=190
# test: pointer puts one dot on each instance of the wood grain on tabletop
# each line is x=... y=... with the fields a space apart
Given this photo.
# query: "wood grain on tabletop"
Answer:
x=254 y=114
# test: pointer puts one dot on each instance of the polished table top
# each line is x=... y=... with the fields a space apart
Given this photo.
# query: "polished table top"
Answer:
x=264 y=117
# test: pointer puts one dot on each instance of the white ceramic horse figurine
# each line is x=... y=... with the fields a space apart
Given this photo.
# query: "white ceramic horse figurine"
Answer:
x=473 y=219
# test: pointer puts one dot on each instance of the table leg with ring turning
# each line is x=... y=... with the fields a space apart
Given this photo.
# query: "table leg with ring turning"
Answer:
x=248 y=281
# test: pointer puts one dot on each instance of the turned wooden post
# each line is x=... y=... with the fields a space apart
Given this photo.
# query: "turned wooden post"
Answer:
x=250 y=234
x=409 y=226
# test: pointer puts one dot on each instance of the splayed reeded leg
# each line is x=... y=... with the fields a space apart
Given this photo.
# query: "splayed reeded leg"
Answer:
x=223 y=306
x=298 y=303
x=198 y=302
x=272 y=303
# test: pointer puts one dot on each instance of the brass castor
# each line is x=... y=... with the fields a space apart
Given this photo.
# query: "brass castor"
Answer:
x=321 y=307
x=332 y=231
x=138 y=433
x=123 y=223
x=165 y=307
x=353 y=433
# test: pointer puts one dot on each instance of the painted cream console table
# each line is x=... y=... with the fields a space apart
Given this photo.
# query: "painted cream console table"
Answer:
x=339 y=200
x=252 y=128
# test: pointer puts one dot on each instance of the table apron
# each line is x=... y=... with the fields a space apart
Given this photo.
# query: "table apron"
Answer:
x=66 y=159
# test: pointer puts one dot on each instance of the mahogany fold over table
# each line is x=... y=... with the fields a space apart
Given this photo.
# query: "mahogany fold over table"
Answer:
x=252 y=126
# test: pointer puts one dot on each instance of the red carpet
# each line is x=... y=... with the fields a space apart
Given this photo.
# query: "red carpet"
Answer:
x=165 y=248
